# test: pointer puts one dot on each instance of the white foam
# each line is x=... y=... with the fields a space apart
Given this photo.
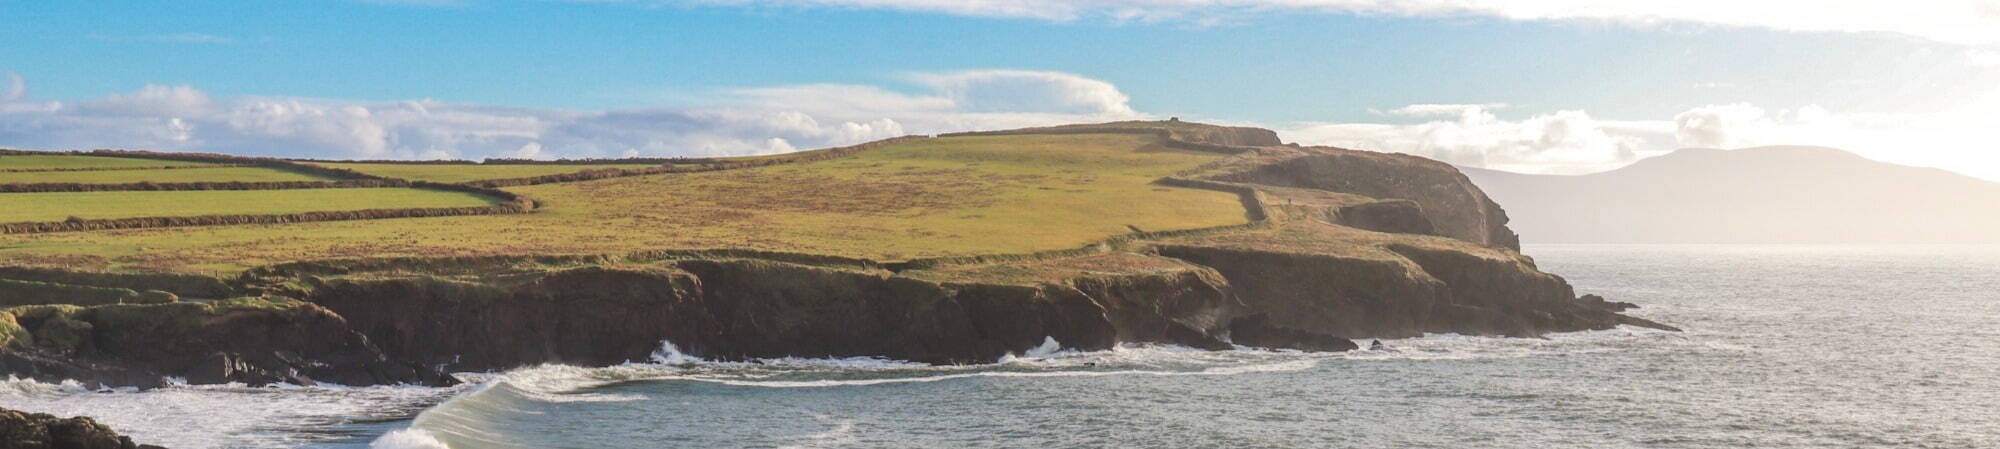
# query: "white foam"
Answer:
x=207 y=416
x=668 y=354
x=1296 y=365
x=463 y=418
x=1049 y=348
x=29 y=387
x=1470 y=347
x=408 y=439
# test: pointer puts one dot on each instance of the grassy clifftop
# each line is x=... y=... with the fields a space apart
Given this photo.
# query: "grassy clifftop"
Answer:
x=946 y=196
x=949 y=249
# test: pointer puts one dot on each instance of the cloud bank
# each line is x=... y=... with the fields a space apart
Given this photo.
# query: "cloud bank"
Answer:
x=1953 y=21
x=746 y=121
x=1574 y=142
x=1569 y=141
x=787 y=118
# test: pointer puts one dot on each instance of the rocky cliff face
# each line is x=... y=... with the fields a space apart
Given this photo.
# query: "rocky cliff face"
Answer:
x=1325 y=278
x=750 y=308
x=251 y=340
x=1348 y=244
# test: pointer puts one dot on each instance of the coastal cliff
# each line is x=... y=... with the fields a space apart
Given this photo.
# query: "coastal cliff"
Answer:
x=1340 y=245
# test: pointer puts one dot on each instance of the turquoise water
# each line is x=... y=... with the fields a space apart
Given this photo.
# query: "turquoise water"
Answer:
x=1786 y=346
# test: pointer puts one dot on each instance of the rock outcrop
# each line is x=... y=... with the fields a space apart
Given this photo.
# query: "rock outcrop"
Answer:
x=1453 y=205
x=20 y=430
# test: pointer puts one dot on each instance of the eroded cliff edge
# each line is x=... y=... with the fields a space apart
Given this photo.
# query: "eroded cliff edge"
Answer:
x=1342 y=245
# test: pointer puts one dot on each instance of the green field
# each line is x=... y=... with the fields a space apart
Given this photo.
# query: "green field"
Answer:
x=12 y=162
x=937 y=197
x=20 y=207
x=216 y=174
x=470 y=172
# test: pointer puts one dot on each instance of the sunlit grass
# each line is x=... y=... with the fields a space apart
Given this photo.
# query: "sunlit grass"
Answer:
x=938 y=197
x=19 y=207
x=38 y=161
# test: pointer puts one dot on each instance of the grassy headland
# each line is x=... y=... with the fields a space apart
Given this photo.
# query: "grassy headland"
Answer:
x=951 y=249
x=948 y=196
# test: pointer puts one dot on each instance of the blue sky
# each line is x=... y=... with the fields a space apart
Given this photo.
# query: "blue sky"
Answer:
x=1511 y=87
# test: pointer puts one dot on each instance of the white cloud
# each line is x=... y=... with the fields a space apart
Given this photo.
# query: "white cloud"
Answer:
x=745 y=121
x=1955 y=21
x=1018 y=90
x=1987 y=59
x=1715 y=126
x=1562 y=142
x=1573 y=142
x=786 y=118
x=1440 y=110
x=528 y=150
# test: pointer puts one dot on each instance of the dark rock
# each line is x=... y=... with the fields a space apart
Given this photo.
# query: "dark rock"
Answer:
x=1257 y=330
x=1345 y=296
x=19 y=430
x=238 y=340
x=736 y=309
x=1601 y=303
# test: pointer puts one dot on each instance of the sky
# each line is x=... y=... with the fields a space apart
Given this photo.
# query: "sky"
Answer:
x=1539 y=86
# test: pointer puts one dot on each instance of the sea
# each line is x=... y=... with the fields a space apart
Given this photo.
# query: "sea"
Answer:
x=1784 y=347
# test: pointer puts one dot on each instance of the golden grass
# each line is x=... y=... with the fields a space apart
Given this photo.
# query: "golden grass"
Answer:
x=937 y=197
x=38 y=161
x=19 y=207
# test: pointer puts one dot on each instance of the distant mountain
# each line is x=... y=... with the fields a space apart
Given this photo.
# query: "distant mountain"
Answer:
x=1752 y=195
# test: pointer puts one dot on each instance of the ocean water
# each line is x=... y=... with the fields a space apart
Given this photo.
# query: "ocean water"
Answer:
x=1786 y=347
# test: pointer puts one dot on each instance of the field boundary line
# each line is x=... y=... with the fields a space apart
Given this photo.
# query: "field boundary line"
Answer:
x=510 y=203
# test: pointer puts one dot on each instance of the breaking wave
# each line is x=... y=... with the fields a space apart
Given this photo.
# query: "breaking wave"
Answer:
x=479 y=417
x=229 y=415
x=487 y=411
